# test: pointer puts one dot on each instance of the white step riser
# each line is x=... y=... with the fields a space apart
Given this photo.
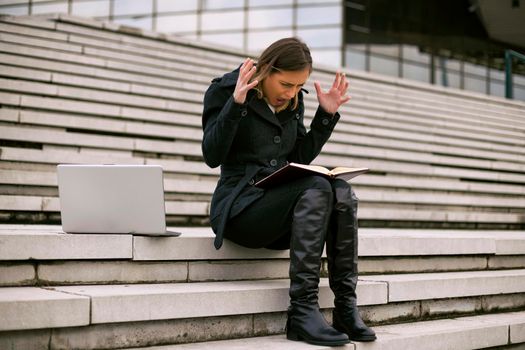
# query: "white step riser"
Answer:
x=109 y=272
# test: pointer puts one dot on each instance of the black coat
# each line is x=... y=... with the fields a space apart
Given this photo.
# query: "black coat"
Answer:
x=249 y=141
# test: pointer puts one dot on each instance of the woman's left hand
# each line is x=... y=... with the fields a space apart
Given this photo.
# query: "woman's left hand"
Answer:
x=331 y=100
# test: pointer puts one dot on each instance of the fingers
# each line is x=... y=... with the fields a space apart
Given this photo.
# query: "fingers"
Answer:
x=343 y=86
x=337 y=81
x=246 y=71
x=345 y=99
x=252 y=84
x=318 y=88
x=340 y=82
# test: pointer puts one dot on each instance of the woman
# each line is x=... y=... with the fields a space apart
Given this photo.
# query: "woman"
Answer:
x=253 y=125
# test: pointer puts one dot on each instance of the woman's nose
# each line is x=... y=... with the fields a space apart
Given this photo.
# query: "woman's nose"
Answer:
x=290 y=93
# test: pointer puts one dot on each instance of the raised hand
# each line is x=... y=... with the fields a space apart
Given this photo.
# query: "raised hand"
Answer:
x=331 y=100
x=243 y=82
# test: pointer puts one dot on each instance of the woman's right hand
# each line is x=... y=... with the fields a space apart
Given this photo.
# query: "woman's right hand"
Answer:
x=246 y=72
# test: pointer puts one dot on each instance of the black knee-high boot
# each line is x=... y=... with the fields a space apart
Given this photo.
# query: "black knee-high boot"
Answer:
x=310 y=222
x=341 y=248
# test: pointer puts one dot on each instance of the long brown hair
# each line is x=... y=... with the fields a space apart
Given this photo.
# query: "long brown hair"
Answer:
x=287 y=54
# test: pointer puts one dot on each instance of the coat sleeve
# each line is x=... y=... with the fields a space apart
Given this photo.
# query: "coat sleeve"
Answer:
x=220 y=121
x=309 y=144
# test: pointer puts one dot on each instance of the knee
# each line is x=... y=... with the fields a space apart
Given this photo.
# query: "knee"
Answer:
x=317 y=192
x=319 y=183
x=345 y=197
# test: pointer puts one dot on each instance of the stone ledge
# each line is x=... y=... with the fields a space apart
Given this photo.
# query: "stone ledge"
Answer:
x=52 y=243
x=148 y=302
x=460 y=333
x=127 y=303
x=192 y=330
x=196 y=243
x=424 y=286
x=33 y=308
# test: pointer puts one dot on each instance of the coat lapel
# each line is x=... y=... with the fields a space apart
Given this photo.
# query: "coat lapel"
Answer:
x=260 y=107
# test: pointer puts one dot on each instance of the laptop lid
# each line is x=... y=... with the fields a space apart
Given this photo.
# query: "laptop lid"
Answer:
x=112 y=199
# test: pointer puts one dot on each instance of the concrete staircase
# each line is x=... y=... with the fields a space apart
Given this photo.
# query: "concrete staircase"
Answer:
x=442 y=244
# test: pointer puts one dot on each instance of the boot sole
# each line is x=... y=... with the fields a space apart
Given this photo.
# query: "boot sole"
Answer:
x=363 y=339
x=298 y=337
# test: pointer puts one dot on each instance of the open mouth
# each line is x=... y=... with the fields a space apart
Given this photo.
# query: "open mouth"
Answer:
x=280 y=101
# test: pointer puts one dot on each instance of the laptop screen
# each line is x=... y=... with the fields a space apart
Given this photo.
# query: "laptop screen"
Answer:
x=111 y=198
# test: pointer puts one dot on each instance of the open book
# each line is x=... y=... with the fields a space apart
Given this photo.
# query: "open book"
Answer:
x=294 y=171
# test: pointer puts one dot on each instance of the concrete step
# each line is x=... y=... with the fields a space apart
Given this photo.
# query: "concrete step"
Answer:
x=32 y=308
x=155 y=92
x=196 y=243
x=373 y=147
x=391 y=166
x=128 y=271
x=378 y=87
x=43 y=255
x=51 y=156
x=465 y=98
x=490 y=110
x=191 y=132
x=440 y=96
x=149 y=302
x=366 y=194
x=114 y=309
x=106 y=40
x=449 y=125
x=49 y=179
x=388 y=301
x=366 y=135
x=464 y=333
x=62 y=137
x=477 y=115
x=90 y=74
x=18 y=175
x=199 y=207
x=373 y=135
x=409 y=132
x=29 y=158
x=404 y=287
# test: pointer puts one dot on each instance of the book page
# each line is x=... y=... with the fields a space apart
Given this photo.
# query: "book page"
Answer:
x=342 y=169
x=316 y=168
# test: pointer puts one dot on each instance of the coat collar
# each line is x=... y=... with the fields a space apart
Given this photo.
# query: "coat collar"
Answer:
x=259 y=106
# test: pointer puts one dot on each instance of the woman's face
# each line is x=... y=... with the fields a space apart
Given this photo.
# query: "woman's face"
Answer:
x=280 y=87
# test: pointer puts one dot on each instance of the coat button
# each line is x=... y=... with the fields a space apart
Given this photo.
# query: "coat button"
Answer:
x=277 y=139
x=297 y=116
x=251 y=182
x=244 y=113
x=273 y=162
x=325 y=122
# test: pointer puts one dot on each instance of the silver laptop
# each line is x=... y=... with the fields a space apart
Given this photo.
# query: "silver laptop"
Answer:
x=112 y=199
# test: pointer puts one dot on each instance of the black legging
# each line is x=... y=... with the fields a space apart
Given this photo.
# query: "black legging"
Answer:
x=267 y=222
